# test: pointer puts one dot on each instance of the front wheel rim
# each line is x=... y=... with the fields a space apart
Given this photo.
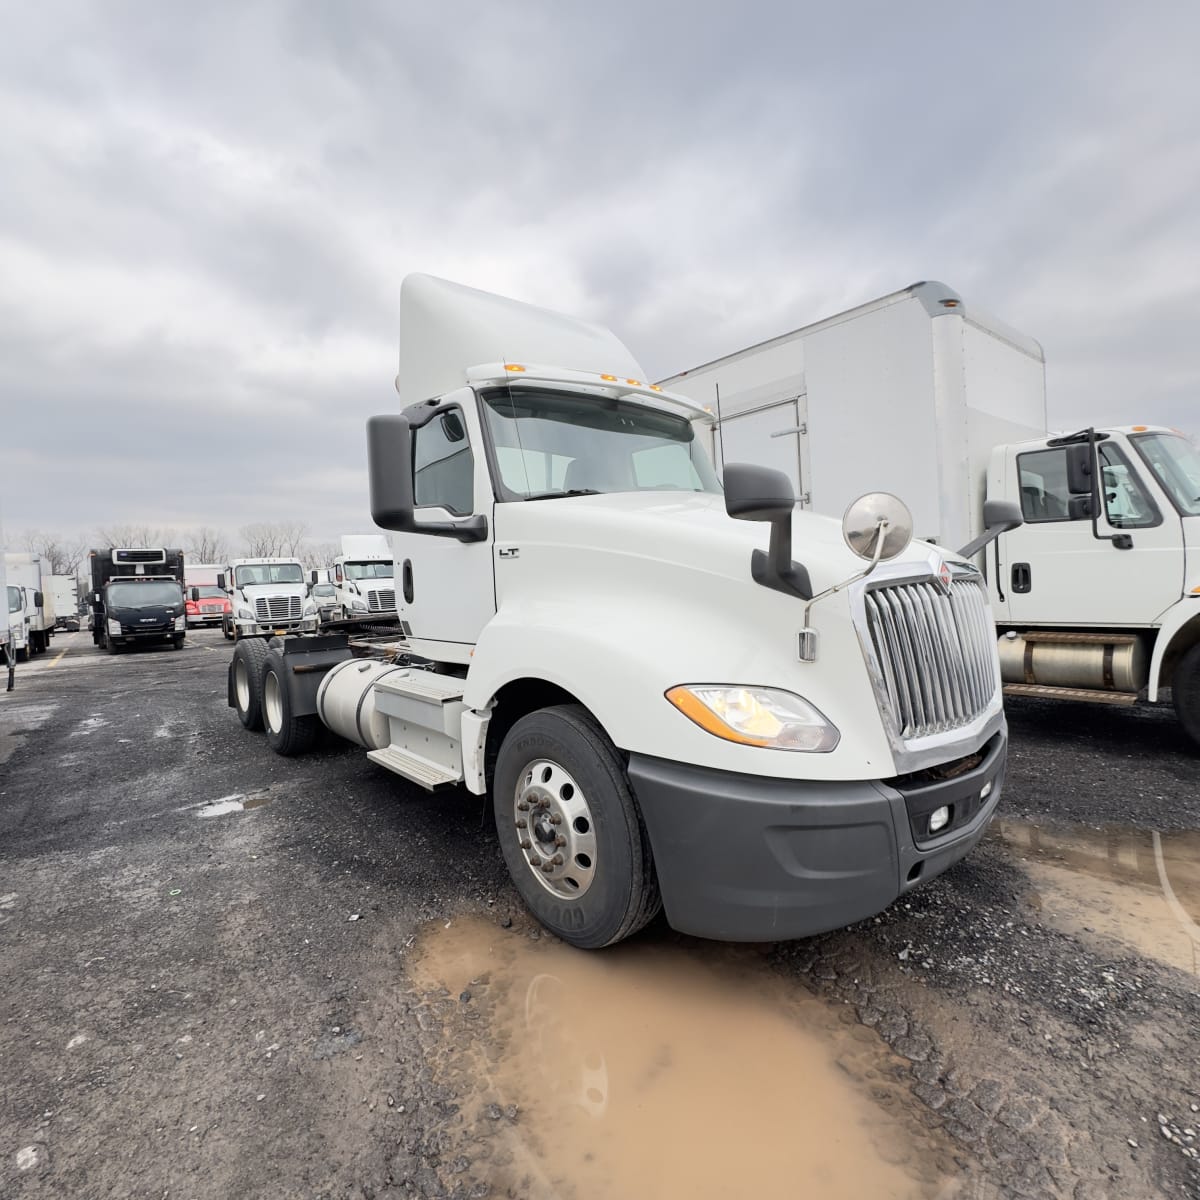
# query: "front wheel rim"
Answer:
x=556 y=832
x=272 y=702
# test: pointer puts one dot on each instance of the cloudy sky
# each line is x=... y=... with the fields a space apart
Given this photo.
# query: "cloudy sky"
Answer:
x=206 y=211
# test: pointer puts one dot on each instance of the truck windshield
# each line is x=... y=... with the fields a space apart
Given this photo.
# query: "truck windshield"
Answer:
x=558 y=443
x=15 y=600
x=1176 y=465
x=256 y=573
x=369 y=570
x=209 y=591
x=135 y=594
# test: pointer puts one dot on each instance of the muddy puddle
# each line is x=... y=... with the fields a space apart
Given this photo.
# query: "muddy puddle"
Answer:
x=653 y=1071
x=1136 y=886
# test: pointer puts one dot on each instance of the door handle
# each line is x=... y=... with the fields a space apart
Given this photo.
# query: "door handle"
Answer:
x=1022 y=577
x=406 y=579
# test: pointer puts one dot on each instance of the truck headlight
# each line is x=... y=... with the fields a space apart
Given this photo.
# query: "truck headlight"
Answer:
x=245 y=613
x=181 y=622
x=114 y=627
x=310 y=609
x=358 y=605
x=766 y=717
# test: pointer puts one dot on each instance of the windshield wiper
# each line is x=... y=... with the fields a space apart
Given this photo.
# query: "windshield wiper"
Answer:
x=564 y=492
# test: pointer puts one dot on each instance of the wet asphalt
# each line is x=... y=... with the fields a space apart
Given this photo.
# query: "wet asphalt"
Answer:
x=196 y=1005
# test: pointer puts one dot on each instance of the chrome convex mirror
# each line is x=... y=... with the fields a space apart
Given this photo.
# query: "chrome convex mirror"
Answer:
x=877 y=526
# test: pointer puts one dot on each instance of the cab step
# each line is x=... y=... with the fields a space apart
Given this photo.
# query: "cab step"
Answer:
x=413 y=767
x=1092 y=696
x=1071 y=638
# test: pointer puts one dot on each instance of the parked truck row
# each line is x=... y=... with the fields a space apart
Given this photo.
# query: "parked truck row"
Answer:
x=678 y=690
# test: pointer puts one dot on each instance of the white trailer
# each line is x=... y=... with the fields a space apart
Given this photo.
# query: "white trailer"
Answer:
x=267 y=596
x=63 y=593
x=1097 y=595
x=363 y=577
x=31 y=572
x=668 y=704
x=11 y=613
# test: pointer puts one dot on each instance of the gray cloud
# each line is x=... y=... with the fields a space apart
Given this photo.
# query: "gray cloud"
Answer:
x=207 y=211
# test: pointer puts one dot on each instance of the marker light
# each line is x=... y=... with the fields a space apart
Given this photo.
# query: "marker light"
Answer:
x=655 y=388
x=514 y=367
x=634 y=382
x=609 y=378
x=754 y=716
x=1140 y=428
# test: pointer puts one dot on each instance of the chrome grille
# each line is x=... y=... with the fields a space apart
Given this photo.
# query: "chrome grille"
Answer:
x=278 y=608
x=936 y=652
x=382 y=601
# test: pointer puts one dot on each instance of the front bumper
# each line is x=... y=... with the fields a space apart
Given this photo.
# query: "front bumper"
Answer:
x=132 y=634
x=206 y=616
x=753 y=859
x=247 y=628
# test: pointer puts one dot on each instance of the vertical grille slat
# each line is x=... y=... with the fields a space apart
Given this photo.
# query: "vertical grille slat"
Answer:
x=935 y=651
x=278 y=608
x=381 y=600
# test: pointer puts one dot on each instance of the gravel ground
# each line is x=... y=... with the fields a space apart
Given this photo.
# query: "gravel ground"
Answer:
x=221 y=1005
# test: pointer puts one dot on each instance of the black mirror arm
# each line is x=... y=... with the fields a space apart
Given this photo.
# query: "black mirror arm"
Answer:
x=989 y=535
x=472 y=529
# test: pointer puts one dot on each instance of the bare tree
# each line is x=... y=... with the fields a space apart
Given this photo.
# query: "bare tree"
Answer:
x=64 y=554
x=108 y=536
x=206 y=545
x=273 y=539
x=321 y=554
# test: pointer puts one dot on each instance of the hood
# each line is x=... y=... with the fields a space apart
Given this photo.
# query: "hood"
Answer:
x=252 y=590
x=688 y=529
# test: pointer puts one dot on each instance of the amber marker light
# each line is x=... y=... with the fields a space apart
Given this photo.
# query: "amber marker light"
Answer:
x=1140 y=428
x=655 y=388
x=634 y=382
x=514 y=367
x=609 y=378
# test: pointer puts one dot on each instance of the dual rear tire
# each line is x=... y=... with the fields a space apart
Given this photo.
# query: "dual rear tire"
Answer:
x=259 y=681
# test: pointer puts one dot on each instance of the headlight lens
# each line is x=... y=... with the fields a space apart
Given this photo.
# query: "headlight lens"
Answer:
x=766 y=717
x=358 y=605
x=181 y=622
x=114 y=627
x=310 y=609
x=245 y=612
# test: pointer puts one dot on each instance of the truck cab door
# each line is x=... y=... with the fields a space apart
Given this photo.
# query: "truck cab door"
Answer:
x=445 y=585
x=1055 y=571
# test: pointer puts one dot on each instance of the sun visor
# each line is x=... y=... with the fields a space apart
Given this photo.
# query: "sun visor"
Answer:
x=446 y=328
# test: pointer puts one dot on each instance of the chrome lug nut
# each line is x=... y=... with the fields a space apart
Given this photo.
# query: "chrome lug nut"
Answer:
x=559 y=840
x=534 y=860
x=524 y=843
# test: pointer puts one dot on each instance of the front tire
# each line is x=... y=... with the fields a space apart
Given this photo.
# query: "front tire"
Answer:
x=287 y=734
x=570 y=831
x=246 y=669
x=1185 y=691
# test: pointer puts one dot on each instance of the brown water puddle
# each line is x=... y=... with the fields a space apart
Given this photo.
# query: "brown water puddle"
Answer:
x=650 y=1071
x=1135 y=885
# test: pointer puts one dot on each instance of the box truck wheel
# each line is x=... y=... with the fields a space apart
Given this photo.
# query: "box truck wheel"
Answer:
x=570 y=830
x=246 y=668
x=1185 y=690
x=288 y=734
x=23 y=654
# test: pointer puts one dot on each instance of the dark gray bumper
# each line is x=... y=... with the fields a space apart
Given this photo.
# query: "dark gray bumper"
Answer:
x=747 y=858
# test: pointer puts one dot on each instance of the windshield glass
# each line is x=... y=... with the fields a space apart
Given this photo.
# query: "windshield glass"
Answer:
x=15 y=603
x=324 y=589
x=557 y=443
x=134 y=594
x=368 y=570
x=257 y=573
x=1176 y=465
x=210 y=591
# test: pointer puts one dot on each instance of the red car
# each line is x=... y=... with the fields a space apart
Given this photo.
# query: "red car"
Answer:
x=206 y=605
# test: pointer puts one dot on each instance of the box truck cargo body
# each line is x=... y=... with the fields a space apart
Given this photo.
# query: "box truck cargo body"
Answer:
x=675 y=693
x=1097 y=594
x=31 y=573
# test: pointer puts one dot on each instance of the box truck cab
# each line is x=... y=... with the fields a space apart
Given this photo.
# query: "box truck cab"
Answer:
x=1097 y=594
x=266 y=596
x=363 y=577
x=206 y=603
x=31 y=573
x=677 y=694
x=10 y=600
x=137 y=597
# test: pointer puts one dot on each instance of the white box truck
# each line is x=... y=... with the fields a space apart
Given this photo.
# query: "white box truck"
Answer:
x=668 y=703
x=64 y=593
x=266 y=596
x=11 y=612
x=31 y=573
x=363 y=577
x=1097 y=595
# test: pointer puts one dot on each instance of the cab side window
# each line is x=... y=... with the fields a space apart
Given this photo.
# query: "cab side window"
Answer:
x=443 y=466
x=1044 y=493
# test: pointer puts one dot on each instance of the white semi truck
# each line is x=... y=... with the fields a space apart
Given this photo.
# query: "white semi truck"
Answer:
x=363 y=577
x=267 y=596
x=31 y=573
x=675 y=694
x=1097 y=595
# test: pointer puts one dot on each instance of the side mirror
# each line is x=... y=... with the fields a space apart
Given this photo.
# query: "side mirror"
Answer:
x=389 y=467
x=754 y=493
x=1081 y=469
x=877 y=527
x=312 y=577
x=1080 y=508
x=221 y=581
x=195 y=593
x=999 y=516
x=38 y=600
